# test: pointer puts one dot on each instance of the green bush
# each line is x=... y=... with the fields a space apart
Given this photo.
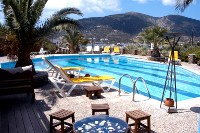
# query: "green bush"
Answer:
x=185 y=51
x=135 y=50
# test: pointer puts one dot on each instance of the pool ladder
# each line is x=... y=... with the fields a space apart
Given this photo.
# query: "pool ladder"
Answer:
x=134 y=85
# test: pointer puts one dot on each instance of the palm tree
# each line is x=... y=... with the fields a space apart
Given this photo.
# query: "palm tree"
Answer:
x=182 y=4
x=74 y=38
x=154 y=35
x=22 y=23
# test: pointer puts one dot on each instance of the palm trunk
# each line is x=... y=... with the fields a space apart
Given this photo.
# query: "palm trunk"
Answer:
x=71 y=49
x=24 y=58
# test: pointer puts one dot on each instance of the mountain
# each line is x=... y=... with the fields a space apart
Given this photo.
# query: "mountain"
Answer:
x=123 y=27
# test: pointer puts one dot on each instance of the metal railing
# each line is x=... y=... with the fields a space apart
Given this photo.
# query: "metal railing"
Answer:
x=134 y=85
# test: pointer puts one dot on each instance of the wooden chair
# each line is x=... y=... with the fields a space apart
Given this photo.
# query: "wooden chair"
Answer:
x=61 y=116
x=89 y=90
x=138 y=116
x=100 y=108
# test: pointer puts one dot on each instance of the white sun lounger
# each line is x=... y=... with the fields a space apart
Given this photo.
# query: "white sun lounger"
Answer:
x=65 y=80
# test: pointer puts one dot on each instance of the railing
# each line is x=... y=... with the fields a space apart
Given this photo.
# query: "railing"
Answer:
x=134 y=85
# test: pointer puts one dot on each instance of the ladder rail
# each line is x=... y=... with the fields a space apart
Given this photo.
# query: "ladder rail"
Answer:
x=119 y=91
x=145 y=85
x=134 y=85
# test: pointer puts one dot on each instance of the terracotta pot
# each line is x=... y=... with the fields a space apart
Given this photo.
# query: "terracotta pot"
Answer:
x=169 y=102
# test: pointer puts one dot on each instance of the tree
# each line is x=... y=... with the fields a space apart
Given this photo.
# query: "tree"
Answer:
x=22 y=22
x=183 y=4
x=46 y=44
x=154 y=35
x=74 y=38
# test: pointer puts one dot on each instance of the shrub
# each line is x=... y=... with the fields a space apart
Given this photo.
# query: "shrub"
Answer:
x=185 y=51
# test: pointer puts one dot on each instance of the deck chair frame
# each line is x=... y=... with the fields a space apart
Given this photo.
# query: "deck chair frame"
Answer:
x=52 y=68
x=65 y=81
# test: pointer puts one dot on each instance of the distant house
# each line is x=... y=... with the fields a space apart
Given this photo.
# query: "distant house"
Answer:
x=62 y=50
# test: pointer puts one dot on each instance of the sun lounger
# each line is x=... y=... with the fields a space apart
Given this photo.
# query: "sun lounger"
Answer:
x=106 y=49
x=116 y=50
x=42 y=51
x=51 y=68
x=66 y=81
x=89 y=49
x=96 y=49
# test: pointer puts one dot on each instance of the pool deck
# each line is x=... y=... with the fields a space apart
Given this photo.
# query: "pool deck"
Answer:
x=48 y=101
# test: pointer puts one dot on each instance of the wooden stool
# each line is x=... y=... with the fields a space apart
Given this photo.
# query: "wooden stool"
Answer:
x=138 y=116
x=93 y=90
x=61 y=115
x=100 y=108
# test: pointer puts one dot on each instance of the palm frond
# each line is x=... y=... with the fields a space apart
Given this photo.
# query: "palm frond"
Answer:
x=35 y=11
x=9 y=8
x=66 y=11
x=30 y=2
x=183 y=4
x=3 y=30
x=59 y=19
x=50 y=25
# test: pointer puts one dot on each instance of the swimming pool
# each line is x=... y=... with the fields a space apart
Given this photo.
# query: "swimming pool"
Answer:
x=188 y=83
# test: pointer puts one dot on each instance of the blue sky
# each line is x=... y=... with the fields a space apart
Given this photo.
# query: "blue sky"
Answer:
x=99 y=8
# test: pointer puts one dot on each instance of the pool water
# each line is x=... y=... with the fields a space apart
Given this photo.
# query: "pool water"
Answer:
x=154 y=74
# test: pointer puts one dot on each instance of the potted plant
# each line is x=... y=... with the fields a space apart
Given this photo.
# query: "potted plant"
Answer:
x=169 y=102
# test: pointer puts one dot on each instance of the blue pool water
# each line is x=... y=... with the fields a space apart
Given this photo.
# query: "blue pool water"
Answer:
x=188 y=83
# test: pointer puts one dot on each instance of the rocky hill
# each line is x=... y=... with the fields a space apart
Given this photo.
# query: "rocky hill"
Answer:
x=123 y=27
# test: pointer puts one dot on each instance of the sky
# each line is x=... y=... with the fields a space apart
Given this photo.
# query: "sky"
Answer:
x=100 y=8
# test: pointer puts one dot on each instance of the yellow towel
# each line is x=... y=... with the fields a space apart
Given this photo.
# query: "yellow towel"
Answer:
x=73 y=68
x=92 y=78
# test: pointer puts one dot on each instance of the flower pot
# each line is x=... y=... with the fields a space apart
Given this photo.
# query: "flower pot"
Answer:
x=169 y=102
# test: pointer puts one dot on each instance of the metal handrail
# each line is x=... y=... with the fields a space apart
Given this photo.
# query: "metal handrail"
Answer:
x=119 y=91
x=134 y=85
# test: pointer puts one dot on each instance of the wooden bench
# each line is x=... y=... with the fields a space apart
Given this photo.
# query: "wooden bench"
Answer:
x=93 y=90
x=16 y=81
x=138 y=116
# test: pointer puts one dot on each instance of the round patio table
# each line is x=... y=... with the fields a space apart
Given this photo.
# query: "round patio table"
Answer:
x=100 y=124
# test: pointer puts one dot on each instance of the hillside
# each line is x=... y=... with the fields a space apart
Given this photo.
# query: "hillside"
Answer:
x=123 y=27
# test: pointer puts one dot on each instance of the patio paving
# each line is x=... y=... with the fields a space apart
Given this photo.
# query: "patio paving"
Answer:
x=29 y=116
x=185 y=121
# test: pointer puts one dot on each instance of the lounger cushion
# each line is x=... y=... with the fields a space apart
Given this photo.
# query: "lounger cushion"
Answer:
x=16 y=73
x=5 y=74
x=91 y=79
